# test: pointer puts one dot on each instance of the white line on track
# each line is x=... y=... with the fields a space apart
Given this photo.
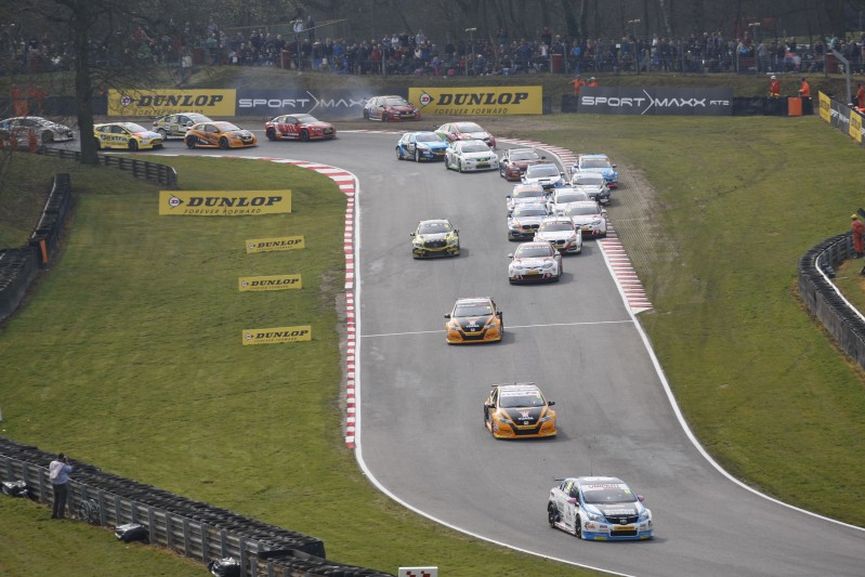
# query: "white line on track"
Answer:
x=509 y=327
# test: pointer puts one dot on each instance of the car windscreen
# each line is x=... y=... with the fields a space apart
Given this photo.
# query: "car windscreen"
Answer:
x=542 y=171
x=594 y=163
x=523 y=399
x=555 y=227
x=431 y=137
x=529 y=193
x=578 y=209
x=572 y=197
x=533 y=251
x=529 y=211
x=478 y=147
x=225 y=126
x=306 y=118
x=608 y=493
x=433 y=228
x=523 y=155
x=395 y=102
x=593 y=180
x=468 y=127
x=132 y=127
x=472 y=310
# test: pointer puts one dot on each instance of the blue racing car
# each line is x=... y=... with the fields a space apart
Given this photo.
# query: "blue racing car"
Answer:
x=421 y=146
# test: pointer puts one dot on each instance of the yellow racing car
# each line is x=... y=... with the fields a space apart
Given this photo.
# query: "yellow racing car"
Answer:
x=218 y=135
x=474 y=320
x=519 y=411
x=125 y=136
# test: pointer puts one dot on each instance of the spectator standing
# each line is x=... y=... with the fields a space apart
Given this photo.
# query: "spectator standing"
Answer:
x=593 y=82
x=860 y=96
x=805 y=89
x=58 y=473
x=857 y=231
x=578 y=84
x=774 y=87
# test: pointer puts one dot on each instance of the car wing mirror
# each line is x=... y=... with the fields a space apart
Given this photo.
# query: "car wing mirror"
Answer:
x=508 y=196
x=456 y=230
x=511 y=255
x=640 y=498
x=412 y=234
x=447 y=316
x=614 y=165
x=572 y=500
x=551 y=403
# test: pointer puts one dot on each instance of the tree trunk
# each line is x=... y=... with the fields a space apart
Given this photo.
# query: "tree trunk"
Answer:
x=572 y=26
x=83 y=19
x=664 y=7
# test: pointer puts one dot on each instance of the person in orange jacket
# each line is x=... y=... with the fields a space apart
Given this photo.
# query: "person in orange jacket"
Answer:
x=593 y=82
x=774 y=87
x=805 y=89
x=860 y=96
x=578 y=84
x=857 y=231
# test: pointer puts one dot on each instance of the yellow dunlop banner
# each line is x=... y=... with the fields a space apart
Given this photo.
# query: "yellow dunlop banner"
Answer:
x=272 y=244
x=159 y=101
x=855 y=128
x=274 y=282
x=223 y=202
x=277 y=335
x=825 y=107
x=479 y=100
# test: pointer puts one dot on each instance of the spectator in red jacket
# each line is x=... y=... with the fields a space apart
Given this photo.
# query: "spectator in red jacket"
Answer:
x=857 y=230
x=774 y=87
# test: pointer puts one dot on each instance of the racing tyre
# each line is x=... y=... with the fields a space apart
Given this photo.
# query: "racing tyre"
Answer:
x=223 y=143
x=271 y=134
x=416 y=155
x=460 y=166
x=47 y=137
x=133 y=145
x=191 y=141
x=365 y=114
x=304 y=135
x=552 y=515
x=578 y=528
x=398 y=153
x=162 y=133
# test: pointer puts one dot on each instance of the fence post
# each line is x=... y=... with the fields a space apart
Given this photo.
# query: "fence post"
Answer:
x=117 y=512
x=168 y=536
x=243 y=556
x=151 y=524
x=100 y=499
x=222 y=545
x=186 y=536
x=205 y=542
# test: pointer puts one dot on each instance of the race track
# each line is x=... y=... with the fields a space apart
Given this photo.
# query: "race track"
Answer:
x=421 y=436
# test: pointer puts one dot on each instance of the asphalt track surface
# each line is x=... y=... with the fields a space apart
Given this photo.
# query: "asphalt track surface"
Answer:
x=421 y=437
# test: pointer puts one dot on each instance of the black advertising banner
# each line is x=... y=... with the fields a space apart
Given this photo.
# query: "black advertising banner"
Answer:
x=657 y=101
x=341 y=104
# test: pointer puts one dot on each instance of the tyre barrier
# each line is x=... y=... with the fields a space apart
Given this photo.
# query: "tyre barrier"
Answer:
x=823 y=300
x=194 y=529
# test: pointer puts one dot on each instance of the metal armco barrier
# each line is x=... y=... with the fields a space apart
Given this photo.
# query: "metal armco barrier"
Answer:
x=194 y=529
x=142 y=169
x=843 y=322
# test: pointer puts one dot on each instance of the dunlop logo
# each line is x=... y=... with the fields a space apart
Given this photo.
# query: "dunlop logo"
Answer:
x=277 y=335
x=269 y=283
x=224 y=203
x=479 y=100
x=174 y=100
x=274 y=244
x=157 y=101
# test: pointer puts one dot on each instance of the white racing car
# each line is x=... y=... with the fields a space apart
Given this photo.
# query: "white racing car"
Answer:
x=599 y=509
x=547 y=175
x=466 y=155
x=560 y=232
x=588 y=216
x=562 y=197
x=535 y=262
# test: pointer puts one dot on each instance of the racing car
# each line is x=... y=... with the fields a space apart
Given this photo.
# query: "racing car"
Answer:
x=303 y=127
x=18 y=129
x=421 y=146
x=387 y=108
x=470 y=155
x=526 y=194
x=514 y=162
x=560 y=199
x=598 y=508
x=125 y=136
x=456 y=131
x=525 y=219
x=474 y=320
x=536 y=261
x=519 y=411
x=435 y=238
x=561 y=233
x=547 y=175
x=587 y=216
x=597 y=164
x=592 y=184
x=218 y=135
x=177 y=124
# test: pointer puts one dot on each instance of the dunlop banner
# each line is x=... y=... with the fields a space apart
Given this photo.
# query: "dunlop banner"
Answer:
x=156 y=102
x=272 y=244
x=275 y=282
x=855 y=130
x=277 y=335
x=825 y=107
x=224 y=202
x=478 y=100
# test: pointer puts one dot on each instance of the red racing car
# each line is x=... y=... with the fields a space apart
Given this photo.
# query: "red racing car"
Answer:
x=298 y=127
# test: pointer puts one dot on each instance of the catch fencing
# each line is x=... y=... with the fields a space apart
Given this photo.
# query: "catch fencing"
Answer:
x=194 y=529
x=824 y=301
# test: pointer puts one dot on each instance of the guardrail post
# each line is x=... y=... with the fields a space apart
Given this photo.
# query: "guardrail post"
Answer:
x=168 y=536
x=151 y=525
x=118 y=516
x=100 y=500
x=185 y=537
x=205 y=542
x=243 y=557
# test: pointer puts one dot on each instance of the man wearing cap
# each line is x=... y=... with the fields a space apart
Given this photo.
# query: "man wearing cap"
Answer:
x=593 y=83
x=578 y=84
x=857 y=231
x=774 y=87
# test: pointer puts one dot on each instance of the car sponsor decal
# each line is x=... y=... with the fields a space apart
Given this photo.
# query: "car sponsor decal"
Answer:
x=478 y=100
x=159 y=102
x=224 y=202
x=277 y=335
x=276 y=282
x=274 y=244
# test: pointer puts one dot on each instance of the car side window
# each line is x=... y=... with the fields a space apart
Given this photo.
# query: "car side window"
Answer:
x=183 y=119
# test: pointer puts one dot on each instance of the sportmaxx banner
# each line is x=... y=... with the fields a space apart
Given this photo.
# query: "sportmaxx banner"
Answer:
x=337 y=104
x=224 y=202
x=660 y=101
x=277 y=335
x=478 y=100
x=159 y=101
x=275 y=282
x=273 y=244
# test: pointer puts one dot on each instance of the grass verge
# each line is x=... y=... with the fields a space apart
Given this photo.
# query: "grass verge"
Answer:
x=128 y=356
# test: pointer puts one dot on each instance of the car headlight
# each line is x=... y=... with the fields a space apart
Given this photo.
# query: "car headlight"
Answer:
x=548 y=265
x=645 y=515
x=514 y=225
x=422 y=147
x=592 y=516
x=547 y=419
x=417 y=241
x=504 y=419
x=490 y=322
x=596 y=223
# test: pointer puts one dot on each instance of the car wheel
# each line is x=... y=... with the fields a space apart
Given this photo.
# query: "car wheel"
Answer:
x=223 y=143
x=133 y=145
x=191 y=141
x=304 y=135
x=161 y=132
x=365 y=114
x=271 y=134
x=47 y=137
x=398 y=153
x=578 y=528
x=552 y=514
x=447 y=163
x=460 y=166
x=416 y=155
